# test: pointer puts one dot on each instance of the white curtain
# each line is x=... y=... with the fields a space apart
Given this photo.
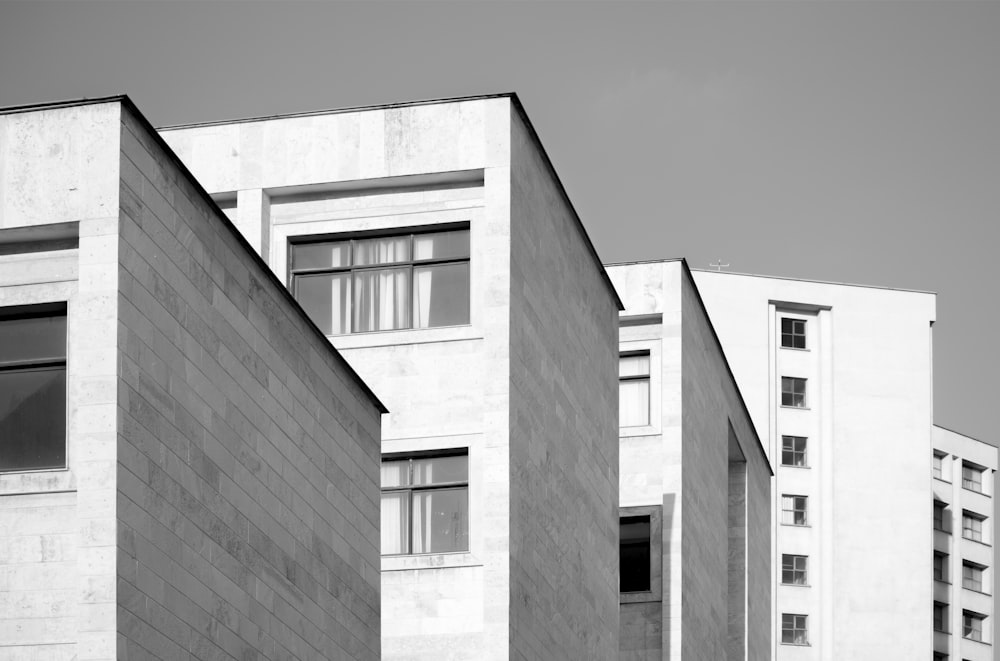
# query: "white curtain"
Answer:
x=633 y=403
x=422 y=297
x=394 y=523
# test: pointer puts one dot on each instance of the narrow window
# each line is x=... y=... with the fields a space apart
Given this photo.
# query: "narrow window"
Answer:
x=793 y=333
x=940 y=566
x=940 y=516
x=793 y=629
x=793 y=451
x=793 y=392
x=940 y=617
x=972 y=526
x=633 y=389
x=972 y=625
x=634 y=553
x=972 y=576
x=972 y=477
x=793 y=569
x=425 y=504
x=32 y=387
x=937 y=465
x=793 y=510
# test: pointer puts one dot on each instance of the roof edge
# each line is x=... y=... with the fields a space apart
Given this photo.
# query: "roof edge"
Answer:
x=66 y=103
x=971 y=438
x=819 y=282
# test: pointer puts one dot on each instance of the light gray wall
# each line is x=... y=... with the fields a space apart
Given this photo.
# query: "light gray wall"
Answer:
x=247 y=456
x=563 y=426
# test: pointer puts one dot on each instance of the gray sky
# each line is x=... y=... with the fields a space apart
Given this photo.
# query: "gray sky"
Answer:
x=852 y=142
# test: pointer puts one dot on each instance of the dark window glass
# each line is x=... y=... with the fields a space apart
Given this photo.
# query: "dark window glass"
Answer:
x=793 y=451
x=425 y=505
x=32 y=388
x=793 y=392
x=441 y=295
x=793 y=569
x=634 y=554
x=793 y=333
x=793 y=629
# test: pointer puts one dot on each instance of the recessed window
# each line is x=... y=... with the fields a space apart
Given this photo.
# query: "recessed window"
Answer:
x=793 y=392
x=634 y=553
x=972 y=576
x=940 y=566
x=793 y=510
x=793 y=451
x=32 y=387
x=793 y=569
x=425 y=504
x=794 y=629
x=633 y=389
x=940 y=617
x=793 y=333
x=972 y=526
x=972 y=477
x=940 y=656
x=359 y=285
x=941 y=516
x=972 y=625
x=937 y=465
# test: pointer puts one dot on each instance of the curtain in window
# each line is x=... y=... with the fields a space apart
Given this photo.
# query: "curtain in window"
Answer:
x=394 y=522
x=633 y=397
x=441 y=295
x=381 y=300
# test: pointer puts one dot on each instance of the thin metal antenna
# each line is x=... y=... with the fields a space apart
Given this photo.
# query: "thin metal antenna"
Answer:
x=719 y=265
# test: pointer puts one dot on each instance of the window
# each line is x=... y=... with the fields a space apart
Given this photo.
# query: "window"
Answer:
x=937 y=465
x=940 y=656
x=633 y=389
x=793 y=629
x=793 y=333
x=793 y=451
x=425 y=504
x=793 y=569
x=972 y=477
x=793 y=510
x=972 y=576
x=972 y=526
x=384 y=283
x=940 y=516
x=634 y=553
x=940 y=617
x=793 y=392
x=32 y=387
x=941 y=567
x=972 y=625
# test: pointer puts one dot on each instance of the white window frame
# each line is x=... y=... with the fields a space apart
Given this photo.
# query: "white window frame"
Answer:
x=972 y=477
x=973 y=526
x=788 y=514
x=799 y=622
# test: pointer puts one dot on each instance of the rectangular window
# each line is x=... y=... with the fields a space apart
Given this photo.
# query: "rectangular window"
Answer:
x=972 y=576
x=940 y=617
x=941 y=567
x=418 y=280
x=793 y=510
x=972 y=625
x=940 y=516
x=793 y=333
x=972 y=526
x=937 y=465
x=972 y=477
x=425 y=504
x=793 y=392
x=793 y=451
x=793 y=569
x=633 y=389
x=33 y=387
x=634 y=553
x=793 y=629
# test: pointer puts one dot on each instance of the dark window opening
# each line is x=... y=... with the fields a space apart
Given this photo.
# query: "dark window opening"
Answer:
x=793 y=333
x=634 y=554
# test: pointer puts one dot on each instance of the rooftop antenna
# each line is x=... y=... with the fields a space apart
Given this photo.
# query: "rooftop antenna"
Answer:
x=718 y=266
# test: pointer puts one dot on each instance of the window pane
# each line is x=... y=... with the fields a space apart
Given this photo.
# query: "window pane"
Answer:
x=326 y=298
x=633 y=403
x=33 y=419
x=441 y=245
x=441 y=520
x=32 y=339
x=395 y=522
x=437 y=470
x=395 y=473
x=386 y=250
x=441 y=295
x=634 y=554
x=321 y=255
x=381 y=300
x=633 y=365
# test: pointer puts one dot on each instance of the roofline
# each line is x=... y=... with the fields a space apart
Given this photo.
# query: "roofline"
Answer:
x=338 y=111
x=254 y=256
x=820 y=282
x=65 y=103
x=646 y=261
x=971 y=438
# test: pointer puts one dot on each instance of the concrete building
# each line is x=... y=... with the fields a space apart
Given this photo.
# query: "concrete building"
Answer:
x=695 y=480
x=187 y=468
x=837 y=379
x=964 y=479
x=433 y=243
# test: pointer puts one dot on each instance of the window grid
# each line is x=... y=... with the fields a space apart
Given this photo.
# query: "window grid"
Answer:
x=972 y=478
x=937 y=465
x=941 y=567
x=793 y=510
x=794 y=629
x=972 y=526
x=972 y=625
x=940 y=617
x=793 y=451
x=793 y=392
x=793 y=333
x=442 y=530
x=972 y=576
x=940 y=519
x=793 y=569
x=633 y=389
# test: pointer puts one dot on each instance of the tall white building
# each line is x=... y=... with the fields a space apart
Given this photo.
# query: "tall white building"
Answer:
x=838 y=382
x=963 y=471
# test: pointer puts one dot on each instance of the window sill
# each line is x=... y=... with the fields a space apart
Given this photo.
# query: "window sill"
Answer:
x=946 y=532
x=638 y=430
x=646 y=596
x=795 y=349
x=794 y=408
x=941 y=479
x=976 y=541
x=797 y=525
x=796 y=644
x=985 y=594
x=405 y=336
x=795 y=585
x=429 y=561
x=53 y=480
x=794 y=466
x=986 y=495
x=938 y=580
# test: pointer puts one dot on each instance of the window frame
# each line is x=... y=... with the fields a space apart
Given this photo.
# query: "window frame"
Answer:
x=351 y=237
x=970 y=484
x=969 y=630
x=795 y=628
x=794 y=510
x=655 y=593
x=793 y=381
x=42 y=364
x=937 y=465
x=792 y=335
x=795 y=570
x=973 y=530
x=967 y=582
x=803 y=452
x=647 y=377
x=940 y=558
x=437 y=486
x=942 y=507
x=942 y=607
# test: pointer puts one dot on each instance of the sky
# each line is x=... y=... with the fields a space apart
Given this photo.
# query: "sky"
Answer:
x=846 y=141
